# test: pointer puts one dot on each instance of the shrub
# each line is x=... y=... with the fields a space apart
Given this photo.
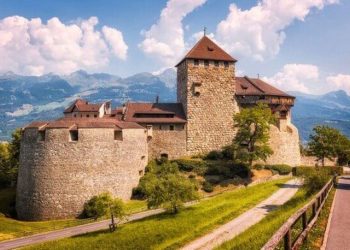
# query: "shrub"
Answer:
x=103 y=204
x=214 y=155
x=303 y=170
x=208 y=187
x=196 y=165
x=227 y=152
x=315 y=181
x=282 y=169
x=258 y=166
x=242 y=170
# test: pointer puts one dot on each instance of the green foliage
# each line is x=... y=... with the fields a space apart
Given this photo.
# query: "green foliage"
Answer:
x=329 y=143
x=164 y=186
x=251 y=142
x=9 y=160
x=304 y=170
x=214 y=155
x=281 y=169
x=315 y=181
x=102 y=205
x=258 y=166
x=196 y=165
x=208 y=187
x=228 y=169
x=165 y=231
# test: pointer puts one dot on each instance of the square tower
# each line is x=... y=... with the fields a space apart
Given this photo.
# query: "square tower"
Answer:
x=206 y=89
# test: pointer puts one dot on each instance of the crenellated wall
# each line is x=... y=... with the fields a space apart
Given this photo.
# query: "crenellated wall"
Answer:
x=57 y=176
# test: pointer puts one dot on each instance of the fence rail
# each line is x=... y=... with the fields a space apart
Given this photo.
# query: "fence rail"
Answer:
x=285 y=231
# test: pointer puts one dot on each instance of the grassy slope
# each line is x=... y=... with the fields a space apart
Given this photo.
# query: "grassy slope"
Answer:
x=256 y=236
x=11 y=228
x=171 y=231
x=315 y=237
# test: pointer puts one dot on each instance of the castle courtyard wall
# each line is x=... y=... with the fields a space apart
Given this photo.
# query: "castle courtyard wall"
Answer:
x=56 y=176
x=166 y=141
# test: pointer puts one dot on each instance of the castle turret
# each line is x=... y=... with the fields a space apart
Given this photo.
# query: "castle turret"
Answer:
x=206 y=89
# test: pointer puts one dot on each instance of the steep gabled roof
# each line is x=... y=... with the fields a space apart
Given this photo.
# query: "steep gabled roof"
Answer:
x=253 y=86
x=206 y=49
x=81 y=105
x=154 y=113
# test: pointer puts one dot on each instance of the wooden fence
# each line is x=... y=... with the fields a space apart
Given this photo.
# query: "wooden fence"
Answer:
x=308 y=216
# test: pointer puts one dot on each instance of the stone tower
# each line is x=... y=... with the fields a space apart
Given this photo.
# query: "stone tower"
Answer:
x=206 y=89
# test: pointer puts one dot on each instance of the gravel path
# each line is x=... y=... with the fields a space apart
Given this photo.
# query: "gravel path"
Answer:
x=246 y=220
x=339 y=229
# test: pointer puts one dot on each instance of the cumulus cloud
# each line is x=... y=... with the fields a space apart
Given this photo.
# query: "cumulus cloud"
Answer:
x=29 y=46
x=165 y=39
x=259 y=32
x=295 y=77
x=25 y=109
x=340 y=81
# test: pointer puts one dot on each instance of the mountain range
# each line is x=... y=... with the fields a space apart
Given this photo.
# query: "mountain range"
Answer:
x=27 y=98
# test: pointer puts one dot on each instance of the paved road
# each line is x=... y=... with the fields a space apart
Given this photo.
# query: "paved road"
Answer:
x=246 y=220
x=72 y=231
x=339 y=228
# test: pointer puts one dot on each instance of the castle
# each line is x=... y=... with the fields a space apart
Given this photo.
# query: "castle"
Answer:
x=95 y=148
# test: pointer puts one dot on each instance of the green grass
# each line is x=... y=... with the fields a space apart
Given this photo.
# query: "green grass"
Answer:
x=167 y=231
x=256 y=236
x=11 y=228
x=315 y=237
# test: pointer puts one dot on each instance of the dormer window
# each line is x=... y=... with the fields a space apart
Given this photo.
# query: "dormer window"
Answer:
x=210 y=48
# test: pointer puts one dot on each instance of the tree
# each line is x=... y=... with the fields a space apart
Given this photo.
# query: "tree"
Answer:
x=343 y=151
x=325 y=143
x=104 y=204
x=251 y=142
x=4 y=163
x=165 y=187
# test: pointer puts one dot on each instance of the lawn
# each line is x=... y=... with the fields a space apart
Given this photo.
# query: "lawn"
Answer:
x=256 y=236
x=11 y=228
x=167 y=231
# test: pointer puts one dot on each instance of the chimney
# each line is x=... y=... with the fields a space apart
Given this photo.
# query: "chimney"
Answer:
x=157 y=99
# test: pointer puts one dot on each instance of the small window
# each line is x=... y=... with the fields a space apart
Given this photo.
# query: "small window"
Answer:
x=73 y=135
x=140 y=172
x=75 y=115
x=81 y=116
x=283 y=114
x=118 y=135
x=172 y=127
x=164 y=156
x=216 y=63
x=160 y=127
x=196 y=88
x=95 y=116
x=41 y=135
x=206 y=63
x=226 y=64
x=196 y=62
x=143 y=157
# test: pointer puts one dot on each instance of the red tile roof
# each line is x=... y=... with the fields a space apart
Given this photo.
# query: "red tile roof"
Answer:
x=208 y=50
x=154 y=113
x=253 y=86
x=81 y=105
x=76 y=123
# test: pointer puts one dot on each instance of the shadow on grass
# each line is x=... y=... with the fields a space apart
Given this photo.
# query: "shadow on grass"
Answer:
x=286 y=185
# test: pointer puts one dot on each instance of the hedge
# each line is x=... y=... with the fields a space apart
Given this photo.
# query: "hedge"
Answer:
x=281 y=169
x=304 y=170
x=188 y=165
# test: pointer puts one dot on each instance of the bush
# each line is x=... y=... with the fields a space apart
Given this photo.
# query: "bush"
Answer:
x=214 y=155
x=196 y=165
x=258 y=166
x=315 y=181
x=208 y=187
x=227 y=152
x=303 y=170
x=282 y=169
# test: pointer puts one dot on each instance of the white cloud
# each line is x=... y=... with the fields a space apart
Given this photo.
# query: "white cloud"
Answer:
x=259 y=32
x=165 y=39
x=28 y=46
x=25 y=109
x=295 y=77
x=340 y=81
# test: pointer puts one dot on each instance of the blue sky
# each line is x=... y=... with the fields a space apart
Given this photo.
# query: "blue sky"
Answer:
x=292 y=44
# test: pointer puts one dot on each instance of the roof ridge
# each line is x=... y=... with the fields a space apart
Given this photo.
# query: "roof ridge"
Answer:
x=253 y=83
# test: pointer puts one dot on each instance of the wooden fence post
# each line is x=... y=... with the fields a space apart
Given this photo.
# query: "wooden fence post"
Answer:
x=288 y=240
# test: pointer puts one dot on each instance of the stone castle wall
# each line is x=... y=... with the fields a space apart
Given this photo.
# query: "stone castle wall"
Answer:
x=284 y=141
x=166 y=141
x=209 y=113
x=56 y=176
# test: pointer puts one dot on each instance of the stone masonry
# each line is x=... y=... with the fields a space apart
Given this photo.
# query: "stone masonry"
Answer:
x=207 y=95
x=58 y=176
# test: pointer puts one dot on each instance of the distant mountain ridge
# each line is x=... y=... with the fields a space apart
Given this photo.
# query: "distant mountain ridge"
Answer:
x=27 y=98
